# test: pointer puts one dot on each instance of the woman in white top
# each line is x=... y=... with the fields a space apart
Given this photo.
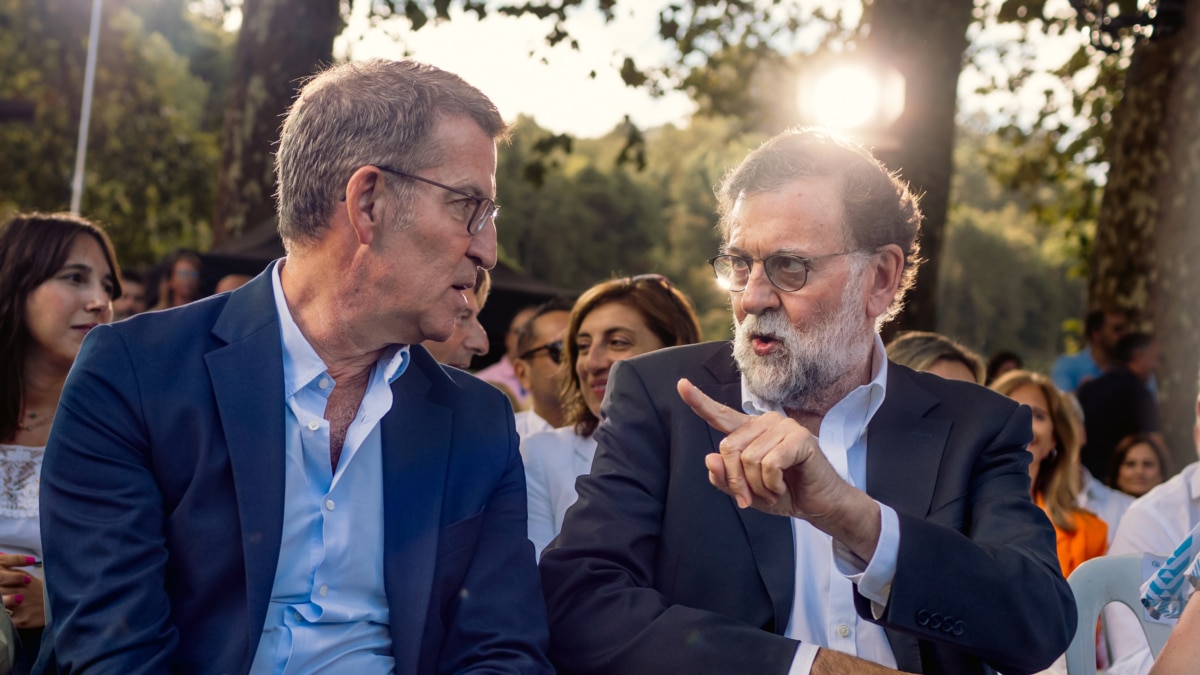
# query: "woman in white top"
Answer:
x=612 y=321
x=58 y=278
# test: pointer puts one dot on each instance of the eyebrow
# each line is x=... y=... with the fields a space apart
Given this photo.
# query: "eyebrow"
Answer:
x=84 y=267
x=737 y=250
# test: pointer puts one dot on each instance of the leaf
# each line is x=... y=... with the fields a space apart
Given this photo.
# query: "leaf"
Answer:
x=631 y=75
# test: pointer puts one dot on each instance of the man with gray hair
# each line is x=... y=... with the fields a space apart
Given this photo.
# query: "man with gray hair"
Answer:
x=281 y=479
x=792 y=502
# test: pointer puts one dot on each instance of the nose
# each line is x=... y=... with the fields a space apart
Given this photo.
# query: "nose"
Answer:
x=477 y=340
x=596 y=360
x=760 y=295
x=482 y=248
x=99 y=303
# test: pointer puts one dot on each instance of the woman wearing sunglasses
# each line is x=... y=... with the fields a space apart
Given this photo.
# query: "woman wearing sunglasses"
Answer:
x=612 y=321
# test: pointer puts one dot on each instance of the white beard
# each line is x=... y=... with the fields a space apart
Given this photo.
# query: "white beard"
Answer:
x=806 y=364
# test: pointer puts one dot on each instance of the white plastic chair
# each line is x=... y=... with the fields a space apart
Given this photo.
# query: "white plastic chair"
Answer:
x=1095 y=583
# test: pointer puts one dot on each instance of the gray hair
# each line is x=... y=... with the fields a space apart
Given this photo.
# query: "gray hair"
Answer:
x=878 y=207
x=366 y=112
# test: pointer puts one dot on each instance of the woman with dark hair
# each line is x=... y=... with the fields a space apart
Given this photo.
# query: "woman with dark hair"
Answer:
x=612 y=321
x=1054 y=471
x=180 y=283
x=1139 y=463
x=1000 y=363
x=58 y=278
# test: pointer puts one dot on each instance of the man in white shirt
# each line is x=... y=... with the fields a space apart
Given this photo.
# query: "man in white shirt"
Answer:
x=280 y=479
x=794 y=502
x=540 y=350
x=1155 y=523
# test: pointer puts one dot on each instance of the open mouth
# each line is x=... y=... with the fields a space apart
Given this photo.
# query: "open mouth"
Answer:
x=763 y=343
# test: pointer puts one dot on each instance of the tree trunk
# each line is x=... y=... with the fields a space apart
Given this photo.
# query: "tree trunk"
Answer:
x=280 y=43
x=1144 y=259
x=925 y=41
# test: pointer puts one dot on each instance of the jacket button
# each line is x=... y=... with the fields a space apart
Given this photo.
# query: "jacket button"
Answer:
x=923 y=617
x=959 y=628
x=935 y=621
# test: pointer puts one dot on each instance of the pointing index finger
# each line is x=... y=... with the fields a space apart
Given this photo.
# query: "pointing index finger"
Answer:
x=720 y=417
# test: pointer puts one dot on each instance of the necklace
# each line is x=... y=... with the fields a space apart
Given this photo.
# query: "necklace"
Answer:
x=33 y=420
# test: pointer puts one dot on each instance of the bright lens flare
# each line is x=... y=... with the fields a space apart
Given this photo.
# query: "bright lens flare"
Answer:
x=846 y=97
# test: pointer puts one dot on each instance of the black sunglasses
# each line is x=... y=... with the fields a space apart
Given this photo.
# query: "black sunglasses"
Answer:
x=553 y=349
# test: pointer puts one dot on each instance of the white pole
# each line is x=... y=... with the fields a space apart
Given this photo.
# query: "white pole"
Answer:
x=85 y=115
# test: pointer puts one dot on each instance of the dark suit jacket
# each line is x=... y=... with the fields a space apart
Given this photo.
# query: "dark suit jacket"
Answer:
x=1115 y=405
x=657 y=571
x=162 y=503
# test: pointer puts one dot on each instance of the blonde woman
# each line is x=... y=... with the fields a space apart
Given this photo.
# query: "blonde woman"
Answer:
x=1054 y=471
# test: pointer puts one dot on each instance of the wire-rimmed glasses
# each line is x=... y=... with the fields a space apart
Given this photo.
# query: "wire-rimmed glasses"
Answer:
x=485 y=208
x=786 y=272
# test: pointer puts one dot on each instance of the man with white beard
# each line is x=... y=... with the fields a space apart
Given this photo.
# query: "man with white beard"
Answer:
x=792 y=502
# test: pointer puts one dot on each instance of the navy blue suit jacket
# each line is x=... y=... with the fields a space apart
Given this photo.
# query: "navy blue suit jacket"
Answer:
x=162 y=503
x=657 y=571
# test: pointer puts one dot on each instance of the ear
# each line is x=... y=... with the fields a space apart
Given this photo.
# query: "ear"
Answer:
x=521 y=370
x=883 y=278
x=364 y=192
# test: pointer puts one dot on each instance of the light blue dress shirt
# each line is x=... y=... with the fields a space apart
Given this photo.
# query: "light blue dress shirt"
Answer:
x=328 y=610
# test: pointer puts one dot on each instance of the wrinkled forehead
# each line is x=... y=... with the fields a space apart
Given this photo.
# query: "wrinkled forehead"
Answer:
x=803 y=213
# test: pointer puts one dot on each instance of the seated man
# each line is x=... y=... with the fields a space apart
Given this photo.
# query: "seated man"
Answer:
x=540 y=349
x=862 y=512
x=1101 y=330
x=280 y=479
x=1118 y=403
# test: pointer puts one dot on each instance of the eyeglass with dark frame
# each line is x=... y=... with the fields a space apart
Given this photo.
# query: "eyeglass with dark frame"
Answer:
x=786 y=272
x=485 y=207
x=553 y=349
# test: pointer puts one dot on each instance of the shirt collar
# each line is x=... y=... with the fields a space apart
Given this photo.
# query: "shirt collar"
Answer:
x=867 y=397
x=301 y=365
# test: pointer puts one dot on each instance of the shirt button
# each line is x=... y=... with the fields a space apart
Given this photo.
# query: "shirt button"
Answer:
x=324 y=591
x=329 y=504
x=843 y=630
x=324 y=383
x=298 y=617
x=313 y=425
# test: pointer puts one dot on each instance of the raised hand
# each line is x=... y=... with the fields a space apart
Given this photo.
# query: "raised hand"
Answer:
x=772 y=463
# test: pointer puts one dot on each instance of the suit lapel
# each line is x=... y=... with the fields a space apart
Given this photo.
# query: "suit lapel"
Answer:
x=416 y=450
x=247 y=381
x=770 y=536
x=904 y=451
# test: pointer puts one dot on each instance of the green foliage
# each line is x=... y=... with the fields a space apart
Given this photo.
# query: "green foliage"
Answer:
x=150 y=166
x=1055 y=161
x=1004 y=283
x=583 y=223
x=591 y=218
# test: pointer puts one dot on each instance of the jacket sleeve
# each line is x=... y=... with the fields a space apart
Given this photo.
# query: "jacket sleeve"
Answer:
x=498 y=621
x=102 y=522
x=980 y=572
x=610 y=605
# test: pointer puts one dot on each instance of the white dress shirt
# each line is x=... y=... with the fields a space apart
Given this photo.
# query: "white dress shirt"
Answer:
x=529 y=423
x=1155 y=523
x=823 y=613
x=1103 y=501
x=328 y=609
x=553 y=460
